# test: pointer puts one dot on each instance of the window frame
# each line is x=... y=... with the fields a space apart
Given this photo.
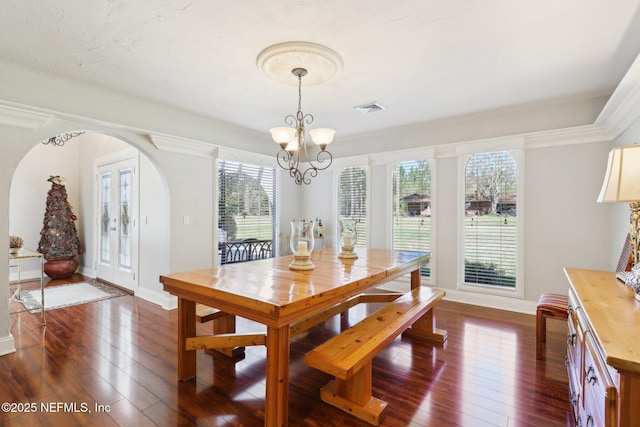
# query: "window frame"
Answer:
x=431 y=279
x=479 y=288
x=252 y=163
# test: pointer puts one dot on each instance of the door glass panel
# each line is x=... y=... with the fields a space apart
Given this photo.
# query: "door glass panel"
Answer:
x=125 y=219
x=105 y=196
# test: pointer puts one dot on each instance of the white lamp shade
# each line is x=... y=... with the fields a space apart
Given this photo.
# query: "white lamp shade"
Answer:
x=293 y=145
x=622 y=180
x=322 y=136
x=282 y=135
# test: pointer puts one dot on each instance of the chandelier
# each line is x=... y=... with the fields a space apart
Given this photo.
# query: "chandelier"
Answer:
x=293 y=148
x=296 y=154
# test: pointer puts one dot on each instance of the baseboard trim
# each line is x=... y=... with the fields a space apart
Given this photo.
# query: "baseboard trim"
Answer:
x=483 y=300
x=161 y=298
x=7 y=345
x=87 y=272
x=491 y=301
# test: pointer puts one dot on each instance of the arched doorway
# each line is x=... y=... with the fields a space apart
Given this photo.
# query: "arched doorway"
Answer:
x=81 y=160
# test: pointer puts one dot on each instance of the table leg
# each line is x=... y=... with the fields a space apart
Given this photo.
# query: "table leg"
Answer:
x=415 y=279
x=186 y=329
x=276 y=412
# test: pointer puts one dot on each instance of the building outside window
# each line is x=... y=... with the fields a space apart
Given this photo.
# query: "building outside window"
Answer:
x=411 y=209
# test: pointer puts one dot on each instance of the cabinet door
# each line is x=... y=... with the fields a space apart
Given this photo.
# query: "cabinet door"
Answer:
x=600 y=393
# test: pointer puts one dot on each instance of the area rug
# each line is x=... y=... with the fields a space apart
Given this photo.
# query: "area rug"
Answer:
x=67 y=295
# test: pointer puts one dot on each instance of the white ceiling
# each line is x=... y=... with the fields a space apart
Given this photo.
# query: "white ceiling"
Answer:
x=422 y=59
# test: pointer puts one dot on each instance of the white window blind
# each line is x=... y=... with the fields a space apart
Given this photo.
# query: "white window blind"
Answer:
x=411 y=228
x=352 y=200
x=246 y=211
x=490 y=229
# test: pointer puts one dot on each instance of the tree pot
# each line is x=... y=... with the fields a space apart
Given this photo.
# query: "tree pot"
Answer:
x=61 y=267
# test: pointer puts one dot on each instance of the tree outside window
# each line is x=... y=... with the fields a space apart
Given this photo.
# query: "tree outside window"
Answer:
x=490 y=229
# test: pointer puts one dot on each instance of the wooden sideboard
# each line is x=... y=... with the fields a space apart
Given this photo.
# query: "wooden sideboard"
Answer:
x=603 y=350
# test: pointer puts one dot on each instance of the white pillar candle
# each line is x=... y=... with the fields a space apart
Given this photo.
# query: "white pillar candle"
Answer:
x=302 y=248
x=347 y=241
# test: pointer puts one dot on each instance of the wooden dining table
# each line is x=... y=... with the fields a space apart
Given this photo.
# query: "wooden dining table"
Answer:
x=268 y=292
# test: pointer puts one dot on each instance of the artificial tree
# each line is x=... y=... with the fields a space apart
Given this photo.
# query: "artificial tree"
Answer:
x=59 y=242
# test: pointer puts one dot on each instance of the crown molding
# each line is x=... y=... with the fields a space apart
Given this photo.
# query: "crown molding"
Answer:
x=586 y=134
x=401 y=155
x=623 y=107
x=183 y=146
x=18 y=117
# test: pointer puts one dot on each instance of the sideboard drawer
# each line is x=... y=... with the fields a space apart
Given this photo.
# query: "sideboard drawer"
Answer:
x=599 y=391
x=606 y=360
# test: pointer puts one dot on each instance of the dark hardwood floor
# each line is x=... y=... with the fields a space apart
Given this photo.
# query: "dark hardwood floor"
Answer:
x=116 y=359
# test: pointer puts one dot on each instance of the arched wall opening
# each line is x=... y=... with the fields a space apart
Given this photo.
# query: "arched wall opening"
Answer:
x=78 y=160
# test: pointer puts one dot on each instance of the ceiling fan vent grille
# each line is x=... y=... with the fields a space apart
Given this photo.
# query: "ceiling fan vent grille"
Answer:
x=369 y=108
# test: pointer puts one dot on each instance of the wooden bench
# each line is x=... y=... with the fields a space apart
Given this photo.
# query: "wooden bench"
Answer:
x=224 y=325
x=348 y=356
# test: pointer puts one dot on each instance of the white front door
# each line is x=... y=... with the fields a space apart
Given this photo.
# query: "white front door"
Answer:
x=117 y=224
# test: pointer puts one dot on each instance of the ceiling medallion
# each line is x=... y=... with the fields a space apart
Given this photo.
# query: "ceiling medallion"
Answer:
x=278 y=60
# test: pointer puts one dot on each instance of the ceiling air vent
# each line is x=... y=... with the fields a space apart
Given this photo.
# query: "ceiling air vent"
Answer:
x=369 y=108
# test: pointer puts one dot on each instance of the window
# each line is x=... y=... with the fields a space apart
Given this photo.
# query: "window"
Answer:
x=246 y=212
x=411 y=215
x=491 y=221
x=352 y=200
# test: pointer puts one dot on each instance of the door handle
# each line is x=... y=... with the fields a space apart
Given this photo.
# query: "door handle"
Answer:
x=113 y=229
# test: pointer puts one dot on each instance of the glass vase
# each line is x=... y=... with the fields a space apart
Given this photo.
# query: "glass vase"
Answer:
x=302 y=244
x=348 y=238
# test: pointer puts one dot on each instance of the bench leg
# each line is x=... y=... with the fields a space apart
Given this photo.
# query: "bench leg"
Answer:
x=541 y=333
x=226 y=325
x=425 y=328
x=354 y=396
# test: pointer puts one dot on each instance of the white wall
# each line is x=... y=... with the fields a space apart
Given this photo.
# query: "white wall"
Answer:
x=155 y=233
x=15 y=142
x=565 y=226
x=317 y=200
x=191 y=188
